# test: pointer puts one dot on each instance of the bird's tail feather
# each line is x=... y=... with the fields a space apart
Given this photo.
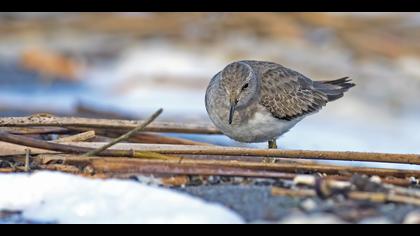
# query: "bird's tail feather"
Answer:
x=335 y=89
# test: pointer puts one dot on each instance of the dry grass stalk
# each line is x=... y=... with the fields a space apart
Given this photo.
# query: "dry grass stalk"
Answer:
x=27 y=160
x=127 y=135
x=30 y=142
x=45 y=120
x=77 y=137
x=296 y=154
x=217 y=166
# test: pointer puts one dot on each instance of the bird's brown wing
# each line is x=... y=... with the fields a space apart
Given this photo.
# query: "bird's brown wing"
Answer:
x=288 y=94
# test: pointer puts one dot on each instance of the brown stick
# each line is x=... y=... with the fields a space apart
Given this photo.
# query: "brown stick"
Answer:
x=62 y=168
x=109 y=165
x=298 y=154
x=144 y=137
x=34 y=130
x=77 y=137
x=123 y=137
x=205 y=129
x=30 y=142
x=8 y=170
x=27 y=160
x=319 y=155
x=138 y=165
x=290 y=168
x=301 y=193
x=49 y=120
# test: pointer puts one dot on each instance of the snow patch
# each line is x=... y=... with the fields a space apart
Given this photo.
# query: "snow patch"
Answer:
x=64 y=198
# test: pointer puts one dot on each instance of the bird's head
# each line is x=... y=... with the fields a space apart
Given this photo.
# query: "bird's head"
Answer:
x=241 y=86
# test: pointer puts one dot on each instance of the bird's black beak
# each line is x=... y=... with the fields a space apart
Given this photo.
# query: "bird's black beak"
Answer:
x=231 y=112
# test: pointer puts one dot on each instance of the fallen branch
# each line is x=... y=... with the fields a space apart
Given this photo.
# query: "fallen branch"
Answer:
x=301 y=154
x=139 y=128
x=145 y=137
x=287 y=167
x=30 y=142
x=138 y=166
x=49 y=120
x=298 y=154
x=34 y=130
x=10 y=149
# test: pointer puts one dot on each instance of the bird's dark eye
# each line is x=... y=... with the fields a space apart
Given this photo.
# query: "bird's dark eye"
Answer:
x=245 y=86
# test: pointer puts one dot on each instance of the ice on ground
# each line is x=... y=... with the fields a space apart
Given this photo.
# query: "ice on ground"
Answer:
x=64 y=198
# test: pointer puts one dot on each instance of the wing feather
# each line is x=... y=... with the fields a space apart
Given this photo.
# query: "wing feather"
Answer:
x=294 y=95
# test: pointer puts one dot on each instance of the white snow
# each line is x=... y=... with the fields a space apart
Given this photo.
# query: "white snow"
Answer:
x=64 y=198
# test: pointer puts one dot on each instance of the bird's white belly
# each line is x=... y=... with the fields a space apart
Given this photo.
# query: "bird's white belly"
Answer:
x=260 y=128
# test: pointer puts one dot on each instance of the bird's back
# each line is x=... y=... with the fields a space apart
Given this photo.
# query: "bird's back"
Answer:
x=288 y=94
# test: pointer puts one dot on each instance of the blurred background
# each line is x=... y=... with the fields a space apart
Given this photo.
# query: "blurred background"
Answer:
x=127 y=65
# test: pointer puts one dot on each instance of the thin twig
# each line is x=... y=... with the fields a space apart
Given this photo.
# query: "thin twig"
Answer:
x=72 y=149
x=138 y=165
x=166 y=127
x=297 y=154
x=34 y=130
x=300 y=154
x=27 y=160
x=127 y=135
x=301 y=193
x=144 y=137
x=77 y=137
x=7 y=170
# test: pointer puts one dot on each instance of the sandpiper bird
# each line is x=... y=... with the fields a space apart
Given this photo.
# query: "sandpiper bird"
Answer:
x=258 y=101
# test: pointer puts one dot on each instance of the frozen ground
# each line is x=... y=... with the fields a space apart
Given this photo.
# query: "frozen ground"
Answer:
x=53 y=197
